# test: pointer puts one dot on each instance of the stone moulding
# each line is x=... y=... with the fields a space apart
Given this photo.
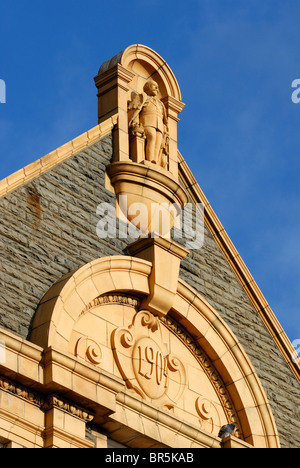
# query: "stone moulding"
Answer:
x=112 y=299
x=53 y=401
x=159 y=179
x=22 y=392
x=121 y=85
x=232 y=364
x=173 y=426
x=75 y=292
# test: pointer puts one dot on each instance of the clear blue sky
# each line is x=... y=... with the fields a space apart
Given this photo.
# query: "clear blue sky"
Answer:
x=234 y=60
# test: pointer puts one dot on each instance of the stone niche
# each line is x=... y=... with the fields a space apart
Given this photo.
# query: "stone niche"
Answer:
x=139 y=86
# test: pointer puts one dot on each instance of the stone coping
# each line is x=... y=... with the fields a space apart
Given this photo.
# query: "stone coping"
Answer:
x=57 y=156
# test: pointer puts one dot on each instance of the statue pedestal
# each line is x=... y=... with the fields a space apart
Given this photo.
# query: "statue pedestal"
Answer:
x=148 y=196
x=137 y=147
x=165 y=256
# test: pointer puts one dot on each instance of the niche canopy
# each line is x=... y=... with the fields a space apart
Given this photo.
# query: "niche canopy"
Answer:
x=139 y=86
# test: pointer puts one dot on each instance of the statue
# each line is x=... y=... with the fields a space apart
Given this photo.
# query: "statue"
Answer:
x=149 y=118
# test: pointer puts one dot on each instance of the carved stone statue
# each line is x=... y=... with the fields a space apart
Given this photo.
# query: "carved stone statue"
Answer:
x=149 y=117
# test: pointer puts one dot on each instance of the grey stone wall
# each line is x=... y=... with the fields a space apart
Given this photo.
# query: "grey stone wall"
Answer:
x=48 y=228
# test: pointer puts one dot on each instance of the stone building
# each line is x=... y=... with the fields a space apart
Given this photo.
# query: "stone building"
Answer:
x=128 y=318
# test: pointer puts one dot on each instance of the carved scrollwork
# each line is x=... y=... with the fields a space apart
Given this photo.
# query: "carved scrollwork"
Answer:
x=145 y=363
x=89 y=350
x=127 y=339
x=209 y=416
x=146 y=319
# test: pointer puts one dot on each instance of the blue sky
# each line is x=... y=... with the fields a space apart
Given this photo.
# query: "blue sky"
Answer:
x=235 y=61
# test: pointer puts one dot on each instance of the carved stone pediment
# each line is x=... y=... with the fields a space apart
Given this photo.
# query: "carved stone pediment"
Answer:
x=130 y=358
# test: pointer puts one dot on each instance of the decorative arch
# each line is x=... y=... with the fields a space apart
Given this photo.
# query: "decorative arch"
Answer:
x=69 y=300
x=143 y=61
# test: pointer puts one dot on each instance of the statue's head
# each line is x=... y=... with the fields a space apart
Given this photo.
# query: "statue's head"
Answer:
x=151 y=88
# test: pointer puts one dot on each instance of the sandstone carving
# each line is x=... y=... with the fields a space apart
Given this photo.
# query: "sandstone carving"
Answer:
x=145 y=362
x=149 y=120
x=209 y=416
x=89 y=350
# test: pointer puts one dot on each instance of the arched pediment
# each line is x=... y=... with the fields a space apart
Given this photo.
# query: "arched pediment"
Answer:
x=187 y=362
x=146 y=63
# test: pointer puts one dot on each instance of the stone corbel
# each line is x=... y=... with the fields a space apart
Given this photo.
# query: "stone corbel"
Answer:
x=165 y=256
